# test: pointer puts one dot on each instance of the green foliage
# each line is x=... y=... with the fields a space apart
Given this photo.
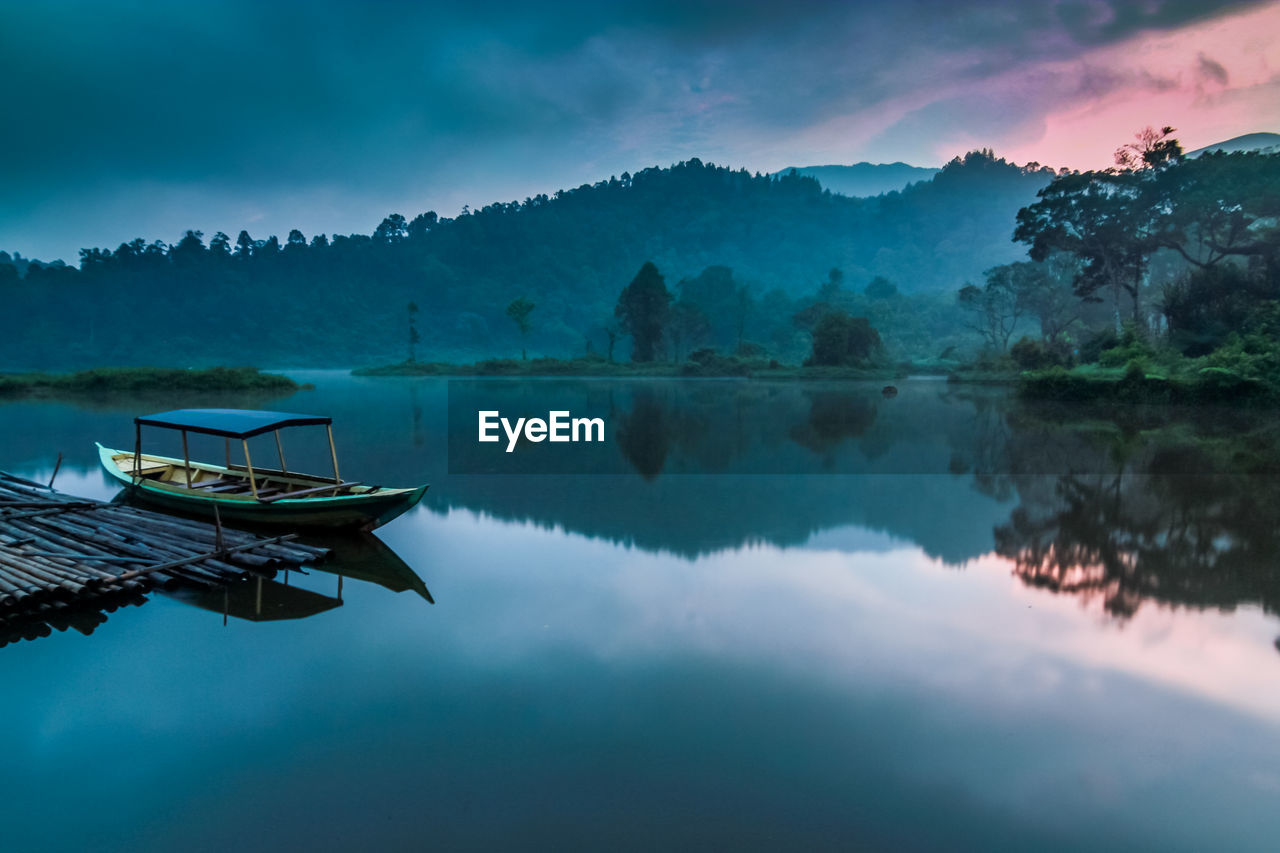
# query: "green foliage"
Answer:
x=519 y=310
x=993 y=310
x=1097 y=342
x=1135 y=370
x=569 y=253
x=1032 y=354
x=1204 y=306
x=880 y=288
x=111 y=379
x=1132 y=346
x=840 y=340
x=643 y=309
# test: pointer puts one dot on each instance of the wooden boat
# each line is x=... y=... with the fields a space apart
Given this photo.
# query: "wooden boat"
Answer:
x=243 y=492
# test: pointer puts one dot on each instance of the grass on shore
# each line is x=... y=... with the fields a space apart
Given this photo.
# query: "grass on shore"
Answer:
x=707 y=367
x=109 y=379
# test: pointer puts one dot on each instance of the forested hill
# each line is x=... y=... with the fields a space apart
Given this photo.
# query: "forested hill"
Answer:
x=864 y=179
x=342 y=301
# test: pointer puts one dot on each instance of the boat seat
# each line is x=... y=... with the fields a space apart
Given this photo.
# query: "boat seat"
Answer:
x=318 y=491
x=147 y=469
x=229 y=486
x=209 y=484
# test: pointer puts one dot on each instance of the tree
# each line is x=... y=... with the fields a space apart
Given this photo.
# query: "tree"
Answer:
x=189 y=250
x=722 y=303
x=422 y=223
x=994 y=309
x=843 y=341
x=688 y=328
x=1221 y=205
x=519 y=311
x=393 y=229
x=220 y=245
x=244 y=246
x=880 y=288
x=414 y=337
x=830 y=290
x=643 y=308
x=1111 y=219
x=1043 y=289
x=611 y=332
x=1151 y=149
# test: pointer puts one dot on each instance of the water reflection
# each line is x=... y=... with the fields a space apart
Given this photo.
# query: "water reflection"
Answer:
x=256 y=599
x=263 y=596
x=802 y=655
x=1097 y=504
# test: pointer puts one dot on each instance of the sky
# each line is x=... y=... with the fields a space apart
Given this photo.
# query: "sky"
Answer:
x=128 y=120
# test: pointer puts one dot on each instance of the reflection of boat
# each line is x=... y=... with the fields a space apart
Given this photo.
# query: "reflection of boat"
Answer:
x=257 y=600
x=363 y=558
x=246 y=493
x=368 y=558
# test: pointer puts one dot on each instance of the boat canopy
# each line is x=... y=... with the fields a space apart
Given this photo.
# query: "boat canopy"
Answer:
x=230 y=423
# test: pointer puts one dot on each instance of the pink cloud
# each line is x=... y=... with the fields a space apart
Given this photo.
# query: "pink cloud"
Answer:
x=1211 y=81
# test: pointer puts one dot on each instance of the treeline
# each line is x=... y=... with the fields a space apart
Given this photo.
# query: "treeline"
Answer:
x=1161 y=266
x=332 y=301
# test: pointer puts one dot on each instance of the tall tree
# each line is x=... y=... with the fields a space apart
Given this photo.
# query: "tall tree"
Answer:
x=519 y=311
x=994 y=309
x=1110 y=219
x=1043 y=290
x=841 y=340
x=393 y=229
x=643 y=308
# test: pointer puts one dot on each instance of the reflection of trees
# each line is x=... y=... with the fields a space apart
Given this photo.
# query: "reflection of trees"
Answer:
x=1132 y=506
x=1189 y=540
x=644 y=434
x=833 y=417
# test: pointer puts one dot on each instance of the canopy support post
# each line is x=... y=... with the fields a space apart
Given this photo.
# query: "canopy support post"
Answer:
x=333 y=453
x=137 y=452
x=248 y=463
x=280 y=450
x=186 y=458
x=226 y=444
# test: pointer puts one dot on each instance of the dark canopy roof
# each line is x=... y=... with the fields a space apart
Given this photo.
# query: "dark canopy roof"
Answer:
x=232 y=423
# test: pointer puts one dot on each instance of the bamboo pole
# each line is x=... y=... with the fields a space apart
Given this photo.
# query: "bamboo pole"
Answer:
x=334 y=454
x=137 y=452
x=280 y=449
x=60 y=557
x=248 y=463
x=186 y=458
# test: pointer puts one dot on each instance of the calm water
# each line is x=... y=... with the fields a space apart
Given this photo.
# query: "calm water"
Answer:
x=1007 y=631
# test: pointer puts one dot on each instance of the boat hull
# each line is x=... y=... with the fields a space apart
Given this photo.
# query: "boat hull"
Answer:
x=364 y=511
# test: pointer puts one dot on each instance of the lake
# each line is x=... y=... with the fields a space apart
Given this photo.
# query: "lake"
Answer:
x=758 y=616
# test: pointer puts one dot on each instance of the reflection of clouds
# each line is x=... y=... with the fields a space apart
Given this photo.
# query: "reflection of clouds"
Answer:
x=896 y=617
x=857 y=667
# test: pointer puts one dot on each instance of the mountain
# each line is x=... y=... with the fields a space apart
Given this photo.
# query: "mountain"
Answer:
x=863 y=179
x=342 y=301
x=1266 y=143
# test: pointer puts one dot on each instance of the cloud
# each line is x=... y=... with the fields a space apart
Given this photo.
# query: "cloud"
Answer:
x=382 y=106
x=1211 y=71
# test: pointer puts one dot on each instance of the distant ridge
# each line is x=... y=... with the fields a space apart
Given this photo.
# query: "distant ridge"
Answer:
x=864 y=179
x=1267 y=143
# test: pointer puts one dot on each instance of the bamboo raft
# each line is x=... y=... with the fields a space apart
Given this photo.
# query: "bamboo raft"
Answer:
x=66 y=561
